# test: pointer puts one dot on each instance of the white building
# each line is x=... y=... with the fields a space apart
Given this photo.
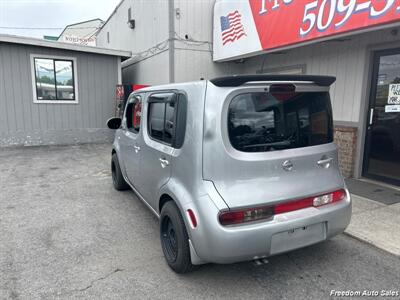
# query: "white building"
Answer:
x=359 y=43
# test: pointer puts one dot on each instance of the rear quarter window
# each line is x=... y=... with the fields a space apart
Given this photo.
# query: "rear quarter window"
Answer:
x=260 y=122
x=167 y=118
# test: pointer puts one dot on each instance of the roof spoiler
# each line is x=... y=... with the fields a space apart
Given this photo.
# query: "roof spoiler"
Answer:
x=238 y=80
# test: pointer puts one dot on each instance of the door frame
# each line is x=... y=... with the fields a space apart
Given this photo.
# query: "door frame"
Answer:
x=373 y=80
x=133 y=137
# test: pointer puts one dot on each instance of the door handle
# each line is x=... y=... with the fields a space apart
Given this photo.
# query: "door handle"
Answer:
x=371 y=116
x=164 y=162
x=137 y=148
x=324 y=162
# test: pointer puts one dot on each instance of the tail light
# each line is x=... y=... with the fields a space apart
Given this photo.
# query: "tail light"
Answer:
x=261 y=213
x=248 y=215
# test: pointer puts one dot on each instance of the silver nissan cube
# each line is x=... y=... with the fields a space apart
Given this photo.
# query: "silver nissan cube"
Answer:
x=236 y=168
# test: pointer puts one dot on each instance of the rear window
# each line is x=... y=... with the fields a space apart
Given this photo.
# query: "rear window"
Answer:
x=260 y=122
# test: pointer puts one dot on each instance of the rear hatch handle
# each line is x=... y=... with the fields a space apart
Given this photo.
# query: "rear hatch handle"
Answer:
x=324 y=162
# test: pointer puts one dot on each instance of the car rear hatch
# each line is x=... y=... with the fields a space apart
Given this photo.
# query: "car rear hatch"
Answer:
x=271 y=140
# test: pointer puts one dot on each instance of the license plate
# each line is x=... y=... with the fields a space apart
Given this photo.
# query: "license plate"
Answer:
x=297 y=238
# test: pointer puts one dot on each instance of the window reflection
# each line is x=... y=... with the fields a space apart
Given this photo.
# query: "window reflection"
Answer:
x=157 y=113
x=162 y=117
x=259 y=122
x=45 y=81
x=54 y=79
x=64 y=80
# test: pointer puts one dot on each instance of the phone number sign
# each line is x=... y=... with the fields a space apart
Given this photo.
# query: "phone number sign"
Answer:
x=281 y=23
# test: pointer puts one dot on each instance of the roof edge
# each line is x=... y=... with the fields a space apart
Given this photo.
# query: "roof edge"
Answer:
x=60 y=45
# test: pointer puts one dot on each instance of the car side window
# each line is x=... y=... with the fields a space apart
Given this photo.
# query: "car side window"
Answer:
x=156 y=120
x=134 y=114
x=162 y=117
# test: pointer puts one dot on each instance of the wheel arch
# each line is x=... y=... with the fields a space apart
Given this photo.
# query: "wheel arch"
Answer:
x=164 y=198
x=174 y=190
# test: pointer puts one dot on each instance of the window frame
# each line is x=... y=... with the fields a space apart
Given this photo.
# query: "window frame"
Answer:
x=54 y=58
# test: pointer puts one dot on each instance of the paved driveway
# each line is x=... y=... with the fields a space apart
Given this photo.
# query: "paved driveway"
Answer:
x=66 y=233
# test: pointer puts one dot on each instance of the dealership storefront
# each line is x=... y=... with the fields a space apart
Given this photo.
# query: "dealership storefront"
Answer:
x=382 y=144
x=356 y=41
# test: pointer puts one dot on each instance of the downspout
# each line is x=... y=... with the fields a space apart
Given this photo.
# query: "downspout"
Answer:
x=119 y=80
x=171 y=40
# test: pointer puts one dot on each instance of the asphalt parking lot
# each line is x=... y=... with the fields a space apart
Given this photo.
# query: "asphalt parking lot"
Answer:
x=66 y=233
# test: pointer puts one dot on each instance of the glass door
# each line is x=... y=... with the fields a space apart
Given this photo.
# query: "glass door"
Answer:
x=382 y=152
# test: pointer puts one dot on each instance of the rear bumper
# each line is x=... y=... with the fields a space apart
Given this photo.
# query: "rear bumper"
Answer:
x=212 y=242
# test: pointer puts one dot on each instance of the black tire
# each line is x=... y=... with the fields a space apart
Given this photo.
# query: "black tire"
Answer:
x=117 y=178
x=174 y=239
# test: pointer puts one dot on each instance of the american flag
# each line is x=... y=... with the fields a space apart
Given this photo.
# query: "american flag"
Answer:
x=231 y=27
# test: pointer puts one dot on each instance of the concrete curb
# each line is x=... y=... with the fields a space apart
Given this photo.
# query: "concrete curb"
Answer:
x=371 y=243
x=376 y=224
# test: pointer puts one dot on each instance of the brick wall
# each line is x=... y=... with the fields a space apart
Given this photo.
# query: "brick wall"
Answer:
x=346 y=140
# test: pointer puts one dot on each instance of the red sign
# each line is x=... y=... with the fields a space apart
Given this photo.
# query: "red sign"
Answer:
x=276 y=24
x=281 y=23
x=136 y=87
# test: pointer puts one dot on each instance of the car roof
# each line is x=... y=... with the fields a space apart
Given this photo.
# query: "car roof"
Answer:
x=238 y=80
x=172 y=86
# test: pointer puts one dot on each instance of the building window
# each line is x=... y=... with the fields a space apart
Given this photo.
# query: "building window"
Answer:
x=108 y=37
x=54 y=79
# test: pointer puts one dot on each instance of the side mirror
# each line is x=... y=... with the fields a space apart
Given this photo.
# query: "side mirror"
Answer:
x=114 y=123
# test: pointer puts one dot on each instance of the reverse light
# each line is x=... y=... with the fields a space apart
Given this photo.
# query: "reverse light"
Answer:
x=261 y=213
x=329 y=198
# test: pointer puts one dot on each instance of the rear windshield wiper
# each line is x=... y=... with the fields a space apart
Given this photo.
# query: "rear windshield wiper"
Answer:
x=281 y=144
